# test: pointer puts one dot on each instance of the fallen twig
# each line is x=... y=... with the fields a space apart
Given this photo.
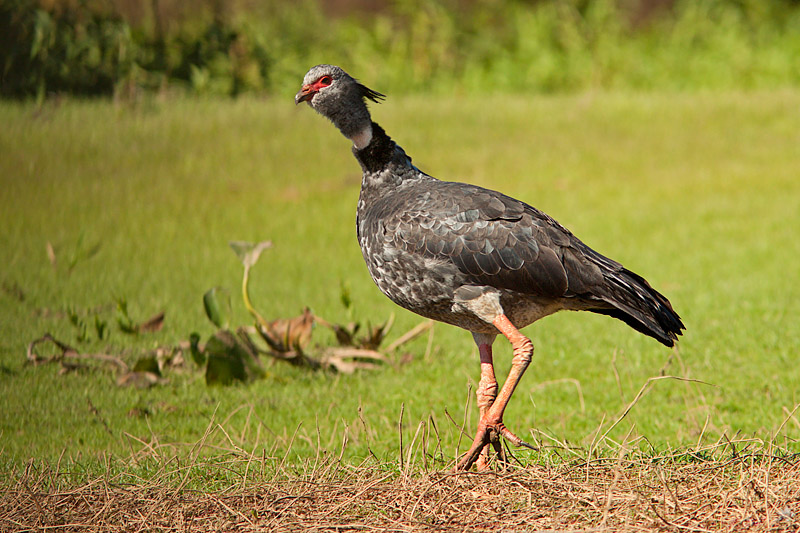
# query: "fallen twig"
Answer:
x=68 y=353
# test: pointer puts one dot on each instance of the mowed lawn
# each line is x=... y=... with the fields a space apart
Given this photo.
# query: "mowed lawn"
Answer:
x=699 y=193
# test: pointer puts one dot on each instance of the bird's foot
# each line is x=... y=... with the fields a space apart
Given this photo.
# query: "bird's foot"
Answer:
x=488 y=435
x=483 y=462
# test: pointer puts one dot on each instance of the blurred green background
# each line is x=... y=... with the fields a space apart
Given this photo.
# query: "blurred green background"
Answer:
x=215 y=47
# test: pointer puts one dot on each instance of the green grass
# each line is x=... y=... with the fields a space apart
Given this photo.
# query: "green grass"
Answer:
x=699 y=193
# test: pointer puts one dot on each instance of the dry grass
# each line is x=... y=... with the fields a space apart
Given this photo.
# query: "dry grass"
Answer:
x=753 y=492
x=214 y=484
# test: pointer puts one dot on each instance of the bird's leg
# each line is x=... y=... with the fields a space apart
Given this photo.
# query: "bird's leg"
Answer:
x=487 y=390
x=491 y=422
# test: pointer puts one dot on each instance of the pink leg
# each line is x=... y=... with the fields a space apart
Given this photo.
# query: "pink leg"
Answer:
x=486 y=393
x=491 y=424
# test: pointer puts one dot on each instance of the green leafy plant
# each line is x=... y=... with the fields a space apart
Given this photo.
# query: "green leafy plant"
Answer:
x=231 y=357
x=228 y=357
x=217 y=304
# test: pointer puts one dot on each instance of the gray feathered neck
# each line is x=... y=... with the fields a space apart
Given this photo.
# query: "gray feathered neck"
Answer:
x=343 y=101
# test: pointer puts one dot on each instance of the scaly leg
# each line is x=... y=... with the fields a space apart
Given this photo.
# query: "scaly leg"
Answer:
x=491 y=422
x=487 y=389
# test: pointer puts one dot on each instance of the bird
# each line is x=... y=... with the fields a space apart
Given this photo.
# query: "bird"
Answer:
x=473 y=257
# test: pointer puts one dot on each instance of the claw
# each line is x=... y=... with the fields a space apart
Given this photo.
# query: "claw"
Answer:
x=489 y=434
x=516 y=441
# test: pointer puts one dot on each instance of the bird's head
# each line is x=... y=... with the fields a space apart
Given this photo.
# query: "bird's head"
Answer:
x=335 y=94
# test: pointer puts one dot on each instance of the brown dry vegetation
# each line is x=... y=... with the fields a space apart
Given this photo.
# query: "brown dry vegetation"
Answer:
x=752 y=492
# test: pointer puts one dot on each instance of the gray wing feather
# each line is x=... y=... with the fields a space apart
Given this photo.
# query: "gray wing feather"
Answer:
x=490 y=238
x=495 y=240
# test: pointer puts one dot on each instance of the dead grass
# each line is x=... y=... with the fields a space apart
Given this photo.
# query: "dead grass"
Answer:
x=680 y=492
x=215 y=484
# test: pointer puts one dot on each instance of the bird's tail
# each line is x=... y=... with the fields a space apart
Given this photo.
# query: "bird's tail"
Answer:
x=640 y=306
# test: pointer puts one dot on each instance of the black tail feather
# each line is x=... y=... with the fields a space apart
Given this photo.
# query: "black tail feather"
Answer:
x=640 y=306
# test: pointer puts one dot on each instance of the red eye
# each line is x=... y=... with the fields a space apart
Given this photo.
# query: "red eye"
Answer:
x=324 y=81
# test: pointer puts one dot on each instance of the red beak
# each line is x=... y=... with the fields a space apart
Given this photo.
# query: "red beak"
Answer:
x=305 y=94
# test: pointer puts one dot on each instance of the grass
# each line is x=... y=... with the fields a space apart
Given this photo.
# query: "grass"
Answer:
x=630 y=494
x=697 y=192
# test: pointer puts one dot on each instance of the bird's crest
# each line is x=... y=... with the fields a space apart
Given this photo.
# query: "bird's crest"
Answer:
x=375 y=96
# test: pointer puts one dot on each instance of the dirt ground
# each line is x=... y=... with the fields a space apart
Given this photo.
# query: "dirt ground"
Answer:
x=744 y=493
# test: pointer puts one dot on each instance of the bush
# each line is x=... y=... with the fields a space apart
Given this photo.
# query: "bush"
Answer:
x=77 y=47
x=76 y=51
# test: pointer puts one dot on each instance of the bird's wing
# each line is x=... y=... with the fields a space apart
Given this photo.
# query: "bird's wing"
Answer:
x=493 y=240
